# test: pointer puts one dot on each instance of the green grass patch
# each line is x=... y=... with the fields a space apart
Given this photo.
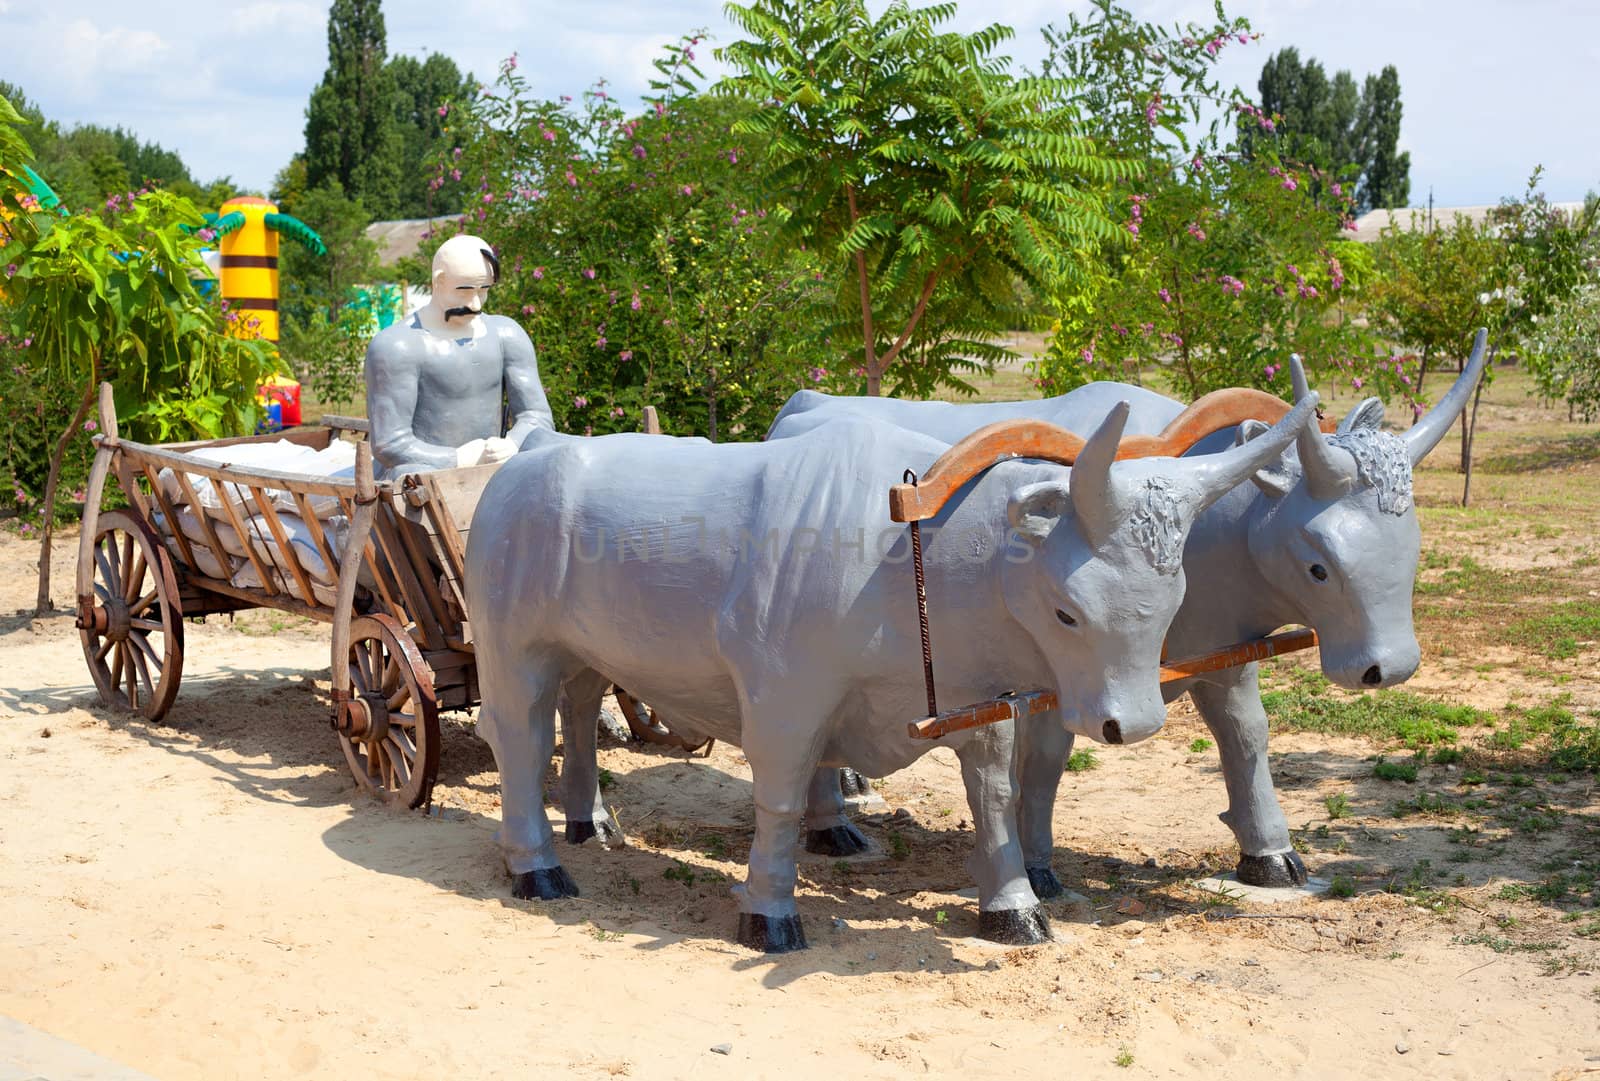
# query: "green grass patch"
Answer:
x=1337 y=805
x=1560 y=632
x=1199 y=746
x=1394 y=715
x=1081 y=761
x=1385 y=770
x=1342 y=886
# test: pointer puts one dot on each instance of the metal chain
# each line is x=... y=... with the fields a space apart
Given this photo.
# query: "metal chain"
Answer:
x=922 y=603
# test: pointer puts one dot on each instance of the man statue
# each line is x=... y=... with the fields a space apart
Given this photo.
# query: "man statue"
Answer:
x=434 y=381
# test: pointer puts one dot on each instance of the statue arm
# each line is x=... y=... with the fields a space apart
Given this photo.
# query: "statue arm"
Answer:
x=530 y=410
x=393 y=372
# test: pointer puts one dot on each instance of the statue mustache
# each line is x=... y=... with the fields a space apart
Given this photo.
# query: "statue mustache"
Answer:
x=451 y=313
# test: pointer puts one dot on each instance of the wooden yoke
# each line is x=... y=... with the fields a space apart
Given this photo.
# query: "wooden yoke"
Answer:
x=1037 y=439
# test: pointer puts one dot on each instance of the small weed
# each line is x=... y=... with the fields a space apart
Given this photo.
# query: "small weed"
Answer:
x=899 y=847
x=1200 y=746
x=607 y=778
x=1080 y=761
x=1337 y=805
x=600 y=934
x=1342 y=886
x=1473 y=777
x=941 y=917
x=1394 y=771
x=1423 y=803
x=842 y=868
x=1446 y=756
x=713 y=845
x=679 y=872
x=1124 y=1058
x=633 y=884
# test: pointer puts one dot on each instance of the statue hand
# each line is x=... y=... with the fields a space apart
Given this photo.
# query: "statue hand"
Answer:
x=470 y=453
x=497 y=449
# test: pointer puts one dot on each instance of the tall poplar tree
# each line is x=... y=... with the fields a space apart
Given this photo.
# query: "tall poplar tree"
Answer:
x=351 y=134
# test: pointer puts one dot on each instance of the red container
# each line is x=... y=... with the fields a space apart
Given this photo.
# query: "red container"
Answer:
x=286 y=392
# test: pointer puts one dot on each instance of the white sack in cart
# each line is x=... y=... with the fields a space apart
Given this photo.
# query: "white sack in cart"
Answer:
x=295 y=529
x=336 y=461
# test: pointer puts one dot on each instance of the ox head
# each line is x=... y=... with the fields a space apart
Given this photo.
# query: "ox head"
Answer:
x=1102 y=573
x=1337 y=535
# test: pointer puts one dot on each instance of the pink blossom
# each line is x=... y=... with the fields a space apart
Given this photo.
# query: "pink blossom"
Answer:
x=600 y=342
x=538 y=273
x=1166 y=297
x=1336 y=189
x=1416 y=409
x=1356 y=383
x=444 y=110
x=639 y=151
x=1088 y=355
x=455 y=154
x=11 y=268
x=626 y=354
x=688 y=189
x=549 y=136
x=733 y=157
x=817 y=374
x=527 y=309
x=580 y=402
x=617 y=412
x=1133 y=227
x=455 y=174
x=588 y=272
x=78 y=495
x=1289 y=183
x=488 y=196
x=635 y=303
x=1270 y=370
x=1244 y=39
x=572 y=179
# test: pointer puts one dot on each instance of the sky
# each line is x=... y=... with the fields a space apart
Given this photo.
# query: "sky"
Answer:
x=1489 y=89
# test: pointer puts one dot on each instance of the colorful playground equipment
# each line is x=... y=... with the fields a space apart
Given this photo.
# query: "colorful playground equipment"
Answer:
x=247 y=231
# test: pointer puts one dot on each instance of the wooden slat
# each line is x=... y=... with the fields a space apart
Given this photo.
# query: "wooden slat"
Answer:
x=452 y=548
x=418 y=548
x=317 y=438
x=286 y=552
x=262 y=565
x=257 y=599
x=224 y=558
x=1040 y=440
x=345 y=424
x=330 y=559
x=222 y=472
x=458 y=490
x=171 y=515
x=1011 y=707
x=399 y=566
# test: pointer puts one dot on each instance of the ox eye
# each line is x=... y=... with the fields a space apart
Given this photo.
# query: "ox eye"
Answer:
x=1319 y=572
x=1063 y=617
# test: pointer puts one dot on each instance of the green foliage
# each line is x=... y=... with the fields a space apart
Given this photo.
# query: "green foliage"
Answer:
x=1199 y=746
x=1230 y=264
x=1393 y=715
x=1348 y=136
x=324 y=339
x=423 y=93
x=1337 y=805
x=1384 y=770
x=638 y=257
x=1558 y=632
x=927 y=175
x=1342 y=886
x=1565 y=355
x=1082 y=761
x=351 y=134
x=327 y=354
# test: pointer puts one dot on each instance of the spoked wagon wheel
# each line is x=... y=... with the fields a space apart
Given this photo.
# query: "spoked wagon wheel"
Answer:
x=390 y=726
x=132 y=627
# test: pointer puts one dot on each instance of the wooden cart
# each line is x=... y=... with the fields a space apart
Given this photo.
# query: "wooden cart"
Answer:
x=402 y=646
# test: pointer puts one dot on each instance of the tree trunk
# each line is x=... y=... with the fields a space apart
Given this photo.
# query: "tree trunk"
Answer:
x=869 y=337
x=1422 y=373
x=711 y=402
x=1472 y=431
x=52 y=481
x=1466 y=438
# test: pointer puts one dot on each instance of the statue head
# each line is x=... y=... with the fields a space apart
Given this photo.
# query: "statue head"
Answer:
x=464 y=268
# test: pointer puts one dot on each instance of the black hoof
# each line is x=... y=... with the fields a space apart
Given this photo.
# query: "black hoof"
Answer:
x=1015 y=926
x=1045 y=883
x=551 y=884
x=843 y=840
x=1277 y=872
x=604 y=828
x=771 y=934
x=854 y=784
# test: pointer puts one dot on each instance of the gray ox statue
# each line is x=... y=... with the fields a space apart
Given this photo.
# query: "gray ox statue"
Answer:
x=1326 y=537
x=746 y=590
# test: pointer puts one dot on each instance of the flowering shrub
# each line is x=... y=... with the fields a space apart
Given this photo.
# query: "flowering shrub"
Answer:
x=634 y=253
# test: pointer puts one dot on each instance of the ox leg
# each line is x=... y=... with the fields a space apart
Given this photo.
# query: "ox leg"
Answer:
x=1043 y=746
x=585 y=807
x=1008 y=910
x=1236 y=718
x=829 y=831
x=781 y=773
x=517 y=719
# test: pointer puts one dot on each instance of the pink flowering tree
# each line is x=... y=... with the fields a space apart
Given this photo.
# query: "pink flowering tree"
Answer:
x=636 y=253
x=106 y=295
x=1226 y=265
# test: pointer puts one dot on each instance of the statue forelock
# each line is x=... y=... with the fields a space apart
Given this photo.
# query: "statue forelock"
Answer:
x=1383 y=463
x=1157 y=524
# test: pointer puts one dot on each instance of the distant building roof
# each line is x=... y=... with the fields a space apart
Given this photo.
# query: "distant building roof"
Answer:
x=398 y=239
x=1372 y=223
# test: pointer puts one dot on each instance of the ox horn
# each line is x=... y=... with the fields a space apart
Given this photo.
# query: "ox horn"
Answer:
x=1093 y=496
x=1426 y=432
x=1219 y=474
x=1330 y=471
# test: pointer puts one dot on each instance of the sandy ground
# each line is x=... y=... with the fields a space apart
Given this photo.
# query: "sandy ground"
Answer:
x=208 y=897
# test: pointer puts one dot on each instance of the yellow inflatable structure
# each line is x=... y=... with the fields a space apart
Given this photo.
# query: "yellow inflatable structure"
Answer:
x=247 y=229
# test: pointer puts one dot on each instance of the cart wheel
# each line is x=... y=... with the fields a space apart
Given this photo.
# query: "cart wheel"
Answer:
x=132 y=626
x=390 y=726
x=648 y=727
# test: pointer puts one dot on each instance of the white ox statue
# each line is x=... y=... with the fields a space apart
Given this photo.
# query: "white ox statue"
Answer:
x=746 y=590
x=1326 y=537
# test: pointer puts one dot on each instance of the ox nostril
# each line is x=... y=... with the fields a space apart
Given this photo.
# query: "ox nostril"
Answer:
x=1372 y=676
x=1112 y=732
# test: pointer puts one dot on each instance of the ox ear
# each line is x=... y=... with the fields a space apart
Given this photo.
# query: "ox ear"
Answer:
x=1273 y=479
x=1369 y=414
x=1035 y=509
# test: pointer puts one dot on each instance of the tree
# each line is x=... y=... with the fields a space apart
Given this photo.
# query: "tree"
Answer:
x=913 y=159
x=350 y=122
x=424 y=92
x=1338 y=134
x=107 y=295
